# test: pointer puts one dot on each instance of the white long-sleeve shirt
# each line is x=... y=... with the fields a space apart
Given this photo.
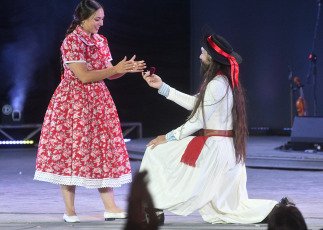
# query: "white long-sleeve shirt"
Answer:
x=218 y=102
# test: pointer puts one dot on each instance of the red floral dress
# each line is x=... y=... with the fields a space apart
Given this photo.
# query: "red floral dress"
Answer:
x=81 y=141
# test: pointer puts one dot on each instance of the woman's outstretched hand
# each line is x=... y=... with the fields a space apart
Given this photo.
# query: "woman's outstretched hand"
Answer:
x=125 y=66
x=139 y=66
x=157 y=141
x=153 y=80
x=130 y=66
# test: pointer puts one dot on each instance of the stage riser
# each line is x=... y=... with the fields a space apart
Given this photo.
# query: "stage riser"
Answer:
x=307 y=133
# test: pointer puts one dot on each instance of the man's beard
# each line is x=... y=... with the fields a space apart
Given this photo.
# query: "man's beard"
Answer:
x=204 y=68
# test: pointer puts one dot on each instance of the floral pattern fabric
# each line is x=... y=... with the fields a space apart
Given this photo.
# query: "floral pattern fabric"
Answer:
x=81 y=141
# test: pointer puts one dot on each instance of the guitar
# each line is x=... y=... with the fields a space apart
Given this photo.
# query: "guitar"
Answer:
x=301 y=103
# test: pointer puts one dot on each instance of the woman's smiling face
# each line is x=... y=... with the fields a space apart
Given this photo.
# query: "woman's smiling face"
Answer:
x=94 y=22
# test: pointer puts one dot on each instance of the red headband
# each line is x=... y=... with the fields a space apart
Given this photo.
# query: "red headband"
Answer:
x=232 y=60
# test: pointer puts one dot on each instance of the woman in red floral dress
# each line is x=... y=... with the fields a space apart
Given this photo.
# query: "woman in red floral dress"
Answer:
x=81 y=141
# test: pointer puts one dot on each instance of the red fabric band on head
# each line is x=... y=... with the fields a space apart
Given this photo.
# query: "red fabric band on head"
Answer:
x=232 y=60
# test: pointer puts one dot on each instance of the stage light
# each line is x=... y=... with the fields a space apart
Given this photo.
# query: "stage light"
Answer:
x=127 y=139
x=6 y=109
x=260 y=128
x=11 y=115
x=16 y=115
x=17 y=142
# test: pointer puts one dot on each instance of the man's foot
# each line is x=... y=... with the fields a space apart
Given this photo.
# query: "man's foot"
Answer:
x=286 y=201
x=160 y=217
x=108 y=216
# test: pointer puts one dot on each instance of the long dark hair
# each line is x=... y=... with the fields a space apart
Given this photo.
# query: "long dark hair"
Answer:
x=83 y=11
x=240 y=130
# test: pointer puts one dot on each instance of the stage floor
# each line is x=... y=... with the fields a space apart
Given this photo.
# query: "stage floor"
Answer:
x=272 y=174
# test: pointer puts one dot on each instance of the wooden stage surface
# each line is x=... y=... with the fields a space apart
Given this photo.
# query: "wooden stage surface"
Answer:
x=272 y=174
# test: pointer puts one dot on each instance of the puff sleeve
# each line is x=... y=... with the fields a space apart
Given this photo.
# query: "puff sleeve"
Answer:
x=105 y=50
x=73 y=50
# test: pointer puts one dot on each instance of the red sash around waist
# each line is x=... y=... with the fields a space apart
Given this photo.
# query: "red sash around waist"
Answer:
x=194 y=148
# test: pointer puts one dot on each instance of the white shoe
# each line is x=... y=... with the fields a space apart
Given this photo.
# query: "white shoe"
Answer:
x=71 y=219
x=115 y=215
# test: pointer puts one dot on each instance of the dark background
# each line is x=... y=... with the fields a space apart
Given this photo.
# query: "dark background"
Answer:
x=270 y=35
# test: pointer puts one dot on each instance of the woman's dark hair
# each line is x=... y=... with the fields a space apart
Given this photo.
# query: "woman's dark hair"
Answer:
x=240 y=130
x=83 y=11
